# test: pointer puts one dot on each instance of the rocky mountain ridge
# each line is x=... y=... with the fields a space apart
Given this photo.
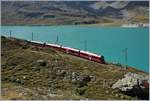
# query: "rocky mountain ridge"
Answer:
x=73 y=12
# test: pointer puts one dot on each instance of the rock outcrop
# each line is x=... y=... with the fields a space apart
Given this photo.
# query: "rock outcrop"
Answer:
x=41 y=62
x=80 y=80
x=134 y=85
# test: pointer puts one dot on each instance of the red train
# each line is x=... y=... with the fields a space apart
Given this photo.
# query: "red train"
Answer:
x=72 y=51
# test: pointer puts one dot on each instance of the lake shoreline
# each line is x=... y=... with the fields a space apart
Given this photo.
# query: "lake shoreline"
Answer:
x=88 y=25
x=95 y=24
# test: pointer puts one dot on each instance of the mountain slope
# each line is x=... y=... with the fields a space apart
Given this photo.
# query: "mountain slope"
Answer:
x=72 y=12
x=37 y=73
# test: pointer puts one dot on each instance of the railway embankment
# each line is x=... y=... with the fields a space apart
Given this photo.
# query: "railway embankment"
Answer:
x=29 y=72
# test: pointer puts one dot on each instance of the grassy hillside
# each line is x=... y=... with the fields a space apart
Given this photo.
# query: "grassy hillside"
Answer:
x=29 y=72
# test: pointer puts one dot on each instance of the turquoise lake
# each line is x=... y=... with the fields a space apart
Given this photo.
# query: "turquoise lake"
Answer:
x=108 y=41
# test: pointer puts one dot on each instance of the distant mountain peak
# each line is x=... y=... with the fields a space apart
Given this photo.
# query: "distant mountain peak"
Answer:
x=105 y=4
x=73 y=12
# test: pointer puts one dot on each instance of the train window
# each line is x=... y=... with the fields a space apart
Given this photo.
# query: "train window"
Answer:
x=83 y=54
x=90 y=57
x=73 y=51
x=67 y=51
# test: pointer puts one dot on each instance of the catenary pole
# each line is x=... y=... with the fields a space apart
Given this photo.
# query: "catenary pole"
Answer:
x=32 y=36
x=126 y=57
x=85 y=45
x=10 y=32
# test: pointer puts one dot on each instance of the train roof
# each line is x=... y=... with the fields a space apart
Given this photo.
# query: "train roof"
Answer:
x=86 y=52
x=55 y=45
x=46 y=43
x=72 y=49
x=36 y=42
x=77 y=50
